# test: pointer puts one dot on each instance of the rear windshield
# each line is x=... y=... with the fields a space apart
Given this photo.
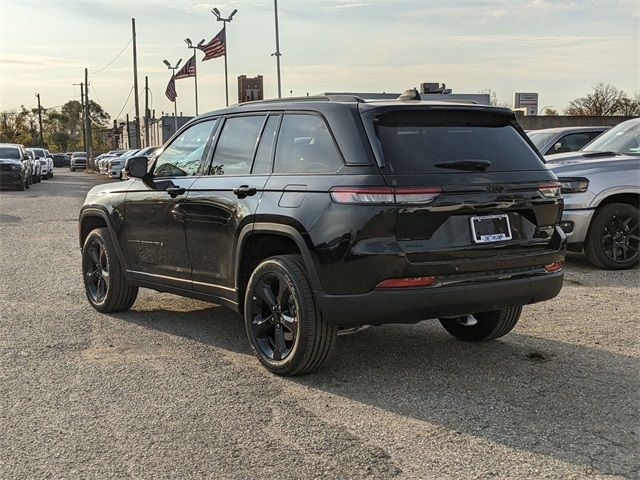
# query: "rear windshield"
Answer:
x=9 y=153
x=414 y=141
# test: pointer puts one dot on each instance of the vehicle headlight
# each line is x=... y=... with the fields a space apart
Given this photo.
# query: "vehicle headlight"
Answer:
x=574 y=184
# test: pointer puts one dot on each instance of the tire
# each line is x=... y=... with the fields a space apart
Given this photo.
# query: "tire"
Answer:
x=110 y=292
x=612 y=241
x=488 y=326
x=27 y=182
x=72 y=169
x=307 y=340
x=21 y=186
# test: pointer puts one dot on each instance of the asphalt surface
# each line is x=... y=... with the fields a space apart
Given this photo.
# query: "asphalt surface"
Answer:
x=171 y=390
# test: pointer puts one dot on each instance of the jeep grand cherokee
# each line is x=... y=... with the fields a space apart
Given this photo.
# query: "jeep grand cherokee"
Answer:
x=310 y=215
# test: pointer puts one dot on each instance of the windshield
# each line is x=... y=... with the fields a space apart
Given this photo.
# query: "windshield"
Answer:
x=540 y=139
x=420 y=141
x=79 y=154
x=9 y=153
x=38 y=152
x=623 y=138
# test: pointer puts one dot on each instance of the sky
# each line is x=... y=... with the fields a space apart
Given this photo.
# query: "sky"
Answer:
x=559 y=48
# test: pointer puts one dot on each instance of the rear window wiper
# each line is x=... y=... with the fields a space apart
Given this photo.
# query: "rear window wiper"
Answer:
x=471 y=165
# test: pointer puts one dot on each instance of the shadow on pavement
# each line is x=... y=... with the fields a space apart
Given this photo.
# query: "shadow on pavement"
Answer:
x=567 y=401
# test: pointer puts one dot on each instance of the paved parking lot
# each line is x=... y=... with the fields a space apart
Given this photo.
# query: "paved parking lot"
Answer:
x=170 y=389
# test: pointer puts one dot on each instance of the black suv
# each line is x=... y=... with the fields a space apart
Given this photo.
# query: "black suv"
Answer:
x=314 y=214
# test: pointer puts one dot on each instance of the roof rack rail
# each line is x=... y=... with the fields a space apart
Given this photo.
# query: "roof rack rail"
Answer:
x=311 y=98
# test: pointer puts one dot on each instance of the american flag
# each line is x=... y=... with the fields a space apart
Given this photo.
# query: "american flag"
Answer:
x=215 y=48
x=170 y=92
x=188 y=69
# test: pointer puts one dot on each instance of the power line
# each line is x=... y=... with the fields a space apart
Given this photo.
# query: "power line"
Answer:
x=95 y=93
x=125 y=103
x=117 y=57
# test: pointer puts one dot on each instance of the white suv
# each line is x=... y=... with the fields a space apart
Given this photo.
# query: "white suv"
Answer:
x=45 y=163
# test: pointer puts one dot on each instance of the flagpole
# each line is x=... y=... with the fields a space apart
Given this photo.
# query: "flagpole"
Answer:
x=224 y=21
x=175 y=100
x=226 y=77
x=195 y=77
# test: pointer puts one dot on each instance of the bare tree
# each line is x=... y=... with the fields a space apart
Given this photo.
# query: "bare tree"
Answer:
x=493 y=97
x=605 y=100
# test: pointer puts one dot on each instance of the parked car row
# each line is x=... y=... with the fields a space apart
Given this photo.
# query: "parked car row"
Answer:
x=113 y=164
x=21 y=167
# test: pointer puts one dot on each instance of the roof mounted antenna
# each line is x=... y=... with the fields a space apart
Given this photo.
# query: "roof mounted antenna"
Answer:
x=411 y=94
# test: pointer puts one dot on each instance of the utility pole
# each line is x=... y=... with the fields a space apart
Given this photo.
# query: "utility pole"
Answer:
x=128 y=132
x=146 y=111
x=84 y=133
x=224 y=21
x=40 y=120
x=195 y=67
x=135 y=83
x=87 y=120
x=277 y=53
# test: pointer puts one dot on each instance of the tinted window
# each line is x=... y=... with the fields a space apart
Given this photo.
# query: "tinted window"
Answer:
x=236 y=145
x=183 y=155
x=570 y=143
x=262 y=162
x=12 y=153
x=412 y=142
x=39 y=152
x=306 y=146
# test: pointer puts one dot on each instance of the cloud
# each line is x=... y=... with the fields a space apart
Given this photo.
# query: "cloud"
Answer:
x=38 y=61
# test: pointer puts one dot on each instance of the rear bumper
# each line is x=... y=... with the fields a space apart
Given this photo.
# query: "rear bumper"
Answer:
x=412 y=305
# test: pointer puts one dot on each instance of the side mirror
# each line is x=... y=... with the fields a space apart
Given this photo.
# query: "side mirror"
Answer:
x=138 y=167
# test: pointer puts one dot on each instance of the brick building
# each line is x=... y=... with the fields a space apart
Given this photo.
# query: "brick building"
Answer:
x=250 y=89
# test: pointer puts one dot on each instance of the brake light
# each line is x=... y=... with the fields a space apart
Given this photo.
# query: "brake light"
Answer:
x=407 y=282
x=550 y=189
x=554 y=267
x=385 y=195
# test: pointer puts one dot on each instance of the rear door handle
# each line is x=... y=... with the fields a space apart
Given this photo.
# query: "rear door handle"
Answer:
x=175 y=191
x=244 y=191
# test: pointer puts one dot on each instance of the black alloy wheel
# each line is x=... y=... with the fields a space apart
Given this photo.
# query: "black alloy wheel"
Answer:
x=105 y=284
x=613 y=241
x=285 y=328
x=274 y=315
x=97 y=272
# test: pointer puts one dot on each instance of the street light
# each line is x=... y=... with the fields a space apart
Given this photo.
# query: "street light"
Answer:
x=175 y=102
x=224 y=21
x=195 y=71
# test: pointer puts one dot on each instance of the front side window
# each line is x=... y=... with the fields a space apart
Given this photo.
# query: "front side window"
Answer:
x=570 y=143
x=306 y=146
x=234 y=152
x=182 y=157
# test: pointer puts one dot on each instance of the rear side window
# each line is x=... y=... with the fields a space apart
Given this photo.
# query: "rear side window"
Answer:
x=236 y=145
x=413 y=142
x=306 y=146
x=262 y=162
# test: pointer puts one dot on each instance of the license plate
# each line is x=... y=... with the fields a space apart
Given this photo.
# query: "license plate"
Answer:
x=490 y=228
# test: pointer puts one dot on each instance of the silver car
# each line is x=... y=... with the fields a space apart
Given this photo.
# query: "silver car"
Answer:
x=563 y=139
x=601 y=190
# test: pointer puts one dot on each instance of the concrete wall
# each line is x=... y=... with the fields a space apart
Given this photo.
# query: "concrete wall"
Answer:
x=553 y=121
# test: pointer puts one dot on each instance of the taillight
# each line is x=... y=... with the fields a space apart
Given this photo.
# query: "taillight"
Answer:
x=407 y=282
x=550 y=189
x=554 y=267
x=385 y=195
